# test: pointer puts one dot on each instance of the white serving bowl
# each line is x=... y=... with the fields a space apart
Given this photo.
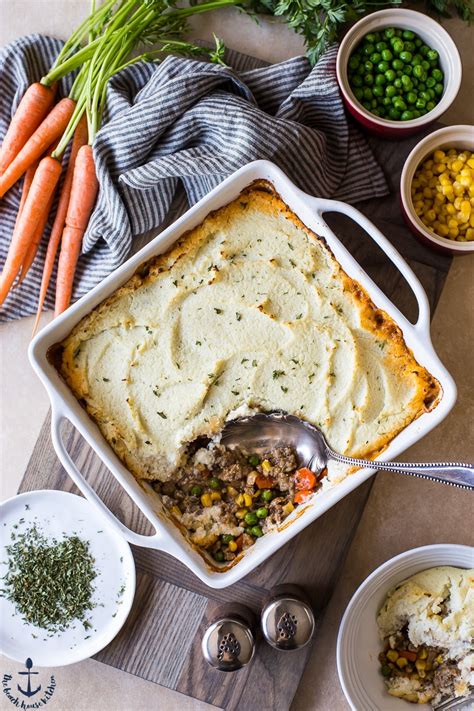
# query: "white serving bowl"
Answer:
x=358 y=643
x=461 y=137
x=433 y=35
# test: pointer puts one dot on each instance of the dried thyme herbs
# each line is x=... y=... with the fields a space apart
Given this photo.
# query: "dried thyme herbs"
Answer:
x=49 y=581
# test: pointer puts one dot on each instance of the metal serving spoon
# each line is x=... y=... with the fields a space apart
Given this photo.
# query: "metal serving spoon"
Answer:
x=261 y=432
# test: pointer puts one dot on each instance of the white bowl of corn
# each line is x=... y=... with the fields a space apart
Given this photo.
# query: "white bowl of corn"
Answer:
x=437 y=190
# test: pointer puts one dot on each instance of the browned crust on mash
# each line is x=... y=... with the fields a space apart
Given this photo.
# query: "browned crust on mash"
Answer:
x=262 y=196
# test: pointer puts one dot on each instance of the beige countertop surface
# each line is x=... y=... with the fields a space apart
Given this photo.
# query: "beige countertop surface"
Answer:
x=401 y=513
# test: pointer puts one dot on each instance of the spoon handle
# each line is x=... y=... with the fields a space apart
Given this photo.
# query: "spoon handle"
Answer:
x=454 y=473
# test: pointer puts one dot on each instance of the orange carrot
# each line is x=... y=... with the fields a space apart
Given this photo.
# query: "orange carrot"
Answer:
x=35 y=242
x=25 y=190
x=42 y=187
x=301 y=496
x=304 y=479
x=49 y=130
x=81 y=203
x=80 y=139
x=264 y=482
x=32 y=109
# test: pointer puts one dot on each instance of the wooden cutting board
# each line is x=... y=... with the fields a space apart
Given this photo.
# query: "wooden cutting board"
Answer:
x=161 y=639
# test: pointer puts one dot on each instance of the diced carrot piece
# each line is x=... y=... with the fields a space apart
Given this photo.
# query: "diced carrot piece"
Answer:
x=264 y=482
x=303 y=495
x=305 y=479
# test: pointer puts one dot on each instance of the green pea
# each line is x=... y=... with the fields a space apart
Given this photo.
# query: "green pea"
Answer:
x=406 y=56
x=408 y=69
x=408 y=35
x=380 y=80
x=390 y=90
x=219 y=556
x=378 y=91
x=432 y=55
x=386 y=101
x=406 y=81
x=398 y=47
x=359 y=93
x=360 y=69
x=368 y=49
x=394 y=114
x=416 y=113
x=389 y=32
x=262 y=512
x=437 y=74
x=398 y=32
x=424 y=50
x=417 y=71
x=366 y=105
x=430 y=82
x=254 y=460
x=431 y=93
x=374 y=103
x=214 y=482
x=411 y=97
x=354 y=62
x=418 y=42
x=421 y=86
x=250 y=518
x=387 y=55
x=398 y=83
x=438 y=89
x=375 y=111
x=417 y=59
x=196 y=490
x=420 y=103
x=375 y=57
x=226 y=538
x=380 y=46
x=355 y=81
x=410 y=46
x=406 y=116
x=430 y=105
x=397 y=64
x=256 y=531
x=425 y=65
x=368 y=66
x=386 y=670
x=399 y=104
x=368 y=93
x=424 y=95
x=390 y=75
x=383 y=66
x=382 y=112
x=370 y=37
x=267 y=494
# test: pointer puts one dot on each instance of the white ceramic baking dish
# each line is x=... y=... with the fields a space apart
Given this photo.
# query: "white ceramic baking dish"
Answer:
x=167 y=536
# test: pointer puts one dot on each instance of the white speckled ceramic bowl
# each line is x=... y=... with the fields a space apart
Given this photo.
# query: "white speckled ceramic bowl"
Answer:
x=461 y=137
x=430 y=32
x=358 y=643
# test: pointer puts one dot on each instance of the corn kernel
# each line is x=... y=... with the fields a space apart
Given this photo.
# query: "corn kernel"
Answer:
x=453 y=232
x=215 y=496
x=423 y=654
x=231 y=491
x=232 y=546
x=439 y=659
x=288 y=508
x=239 y=500
x=176 y=511
x=240 y=513
x=470 y=234
x=247 y=500
x=442 y=231
x=401 y=662
x=420 y=664
x=266 y=466
x=470 y=163
x=456 y=165
x=439 y=155
x=430 y=215
x=392 y=655
x=206 y=500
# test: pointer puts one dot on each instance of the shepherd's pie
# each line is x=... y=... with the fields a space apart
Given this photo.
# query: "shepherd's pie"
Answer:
x=249 y=311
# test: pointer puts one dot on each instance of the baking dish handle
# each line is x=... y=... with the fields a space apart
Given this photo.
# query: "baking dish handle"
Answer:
x=153 y=541
x=422 y=324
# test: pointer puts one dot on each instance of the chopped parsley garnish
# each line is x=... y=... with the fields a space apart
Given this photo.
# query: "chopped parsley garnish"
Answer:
x=285 y=390
x=162 y=415
x=218 y=311
x=238 y=316
x=278 y=374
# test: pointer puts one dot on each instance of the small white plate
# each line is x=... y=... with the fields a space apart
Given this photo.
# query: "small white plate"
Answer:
x=56 y=514
x=358 y=643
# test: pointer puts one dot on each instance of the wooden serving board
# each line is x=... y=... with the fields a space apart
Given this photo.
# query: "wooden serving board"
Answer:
x=161 y=639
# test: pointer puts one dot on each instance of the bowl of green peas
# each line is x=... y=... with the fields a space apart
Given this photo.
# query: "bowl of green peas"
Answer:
x=398 y=71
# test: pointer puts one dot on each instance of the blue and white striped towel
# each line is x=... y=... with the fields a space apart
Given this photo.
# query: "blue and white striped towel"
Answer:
x=191 y=123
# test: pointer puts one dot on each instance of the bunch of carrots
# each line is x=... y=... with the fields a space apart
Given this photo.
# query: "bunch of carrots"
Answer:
x=41 y=130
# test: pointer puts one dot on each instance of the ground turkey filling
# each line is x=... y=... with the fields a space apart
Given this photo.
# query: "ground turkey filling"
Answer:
x=226 y=498
x=416 y=674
